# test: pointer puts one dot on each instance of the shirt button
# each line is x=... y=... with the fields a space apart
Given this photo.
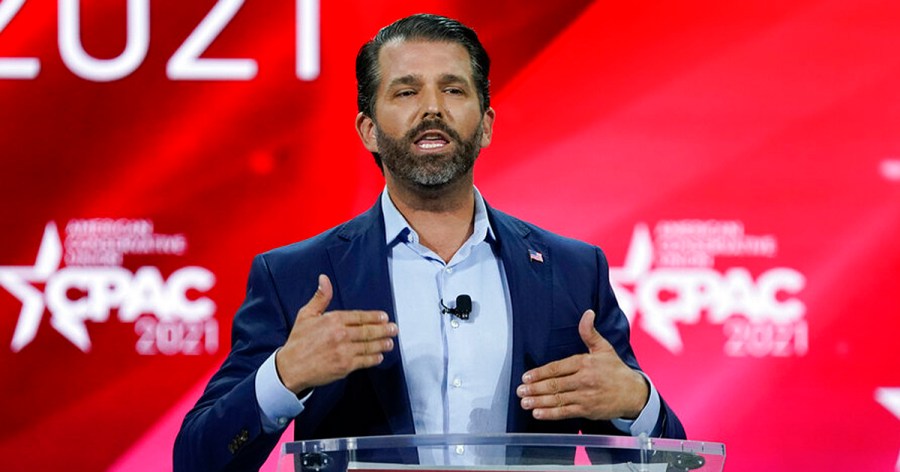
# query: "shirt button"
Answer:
x=457 y=383
x=282 y=421
x=460 y=449
x=449 y=270
x=454 y=323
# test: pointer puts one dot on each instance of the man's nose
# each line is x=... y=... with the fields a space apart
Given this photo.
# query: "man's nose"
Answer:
x=433 y=105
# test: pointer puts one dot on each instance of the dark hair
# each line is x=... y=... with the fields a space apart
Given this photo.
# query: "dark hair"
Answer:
x=423 y=27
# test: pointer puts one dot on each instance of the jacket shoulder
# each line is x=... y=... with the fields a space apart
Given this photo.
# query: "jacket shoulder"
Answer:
x=316 y=247
x=508 y=225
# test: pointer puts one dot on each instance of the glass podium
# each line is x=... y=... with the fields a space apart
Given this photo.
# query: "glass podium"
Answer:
x=501 y=453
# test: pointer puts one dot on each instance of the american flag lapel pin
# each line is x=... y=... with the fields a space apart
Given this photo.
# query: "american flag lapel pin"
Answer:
x=535 y=256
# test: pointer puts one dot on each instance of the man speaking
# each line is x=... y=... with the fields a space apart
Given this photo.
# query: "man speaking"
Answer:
x=432 y=312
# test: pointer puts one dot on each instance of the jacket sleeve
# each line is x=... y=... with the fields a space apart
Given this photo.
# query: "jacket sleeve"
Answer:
x=224 y=430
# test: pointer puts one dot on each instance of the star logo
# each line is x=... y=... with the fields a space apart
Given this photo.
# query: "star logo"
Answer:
x=672 y=281
x=19 y=280
x=93 y=285
x=889 y=397
x=638 y=262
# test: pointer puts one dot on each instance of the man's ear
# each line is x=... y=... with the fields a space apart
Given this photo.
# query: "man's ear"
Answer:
x=487 y=127
x=367 y=131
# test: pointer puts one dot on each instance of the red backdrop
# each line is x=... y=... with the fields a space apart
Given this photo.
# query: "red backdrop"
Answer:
x=739 y=162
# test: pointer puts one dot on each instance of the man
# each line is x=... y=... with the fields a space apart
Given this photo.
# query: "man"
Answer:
x=543 y=348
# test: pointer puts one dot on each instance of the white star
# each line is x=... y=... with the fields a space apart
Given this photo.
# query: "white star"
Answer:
x=639 y=262
x=18 y=281
x=889 y=397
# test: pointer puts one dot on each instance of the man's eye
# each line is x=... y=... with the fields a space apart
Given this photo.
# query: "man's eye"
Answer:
x=406 y=93
x=454 y=91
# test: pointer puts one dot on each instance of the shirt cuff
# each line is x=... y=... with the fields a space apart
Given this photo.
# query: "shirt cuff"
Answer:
x=646 y=421
x=277 y=405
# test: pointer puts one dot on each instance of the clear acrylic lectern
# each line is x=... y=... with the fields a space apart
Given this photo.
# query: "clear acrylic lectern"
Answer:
x=501 y=453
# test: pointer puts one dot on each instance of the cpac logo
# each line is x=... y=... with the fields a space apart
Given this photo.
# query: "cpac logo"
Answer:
x=671 y=281
x=182 y=324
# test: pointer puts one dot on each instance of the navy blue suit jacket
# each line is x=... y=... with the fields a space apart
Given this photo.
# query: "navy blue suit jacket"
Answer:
x=223 y=431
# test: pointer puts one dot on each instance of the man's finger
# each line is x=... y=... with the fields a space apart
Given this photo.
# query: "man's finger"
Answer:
x=359 y=318
x=560 y=368
x=550 y=386
x=372 y=332
x=558 y=413
x=371 y=360
x=557 y=400
x=373 y=347
x=319 y=301
x=592 y=339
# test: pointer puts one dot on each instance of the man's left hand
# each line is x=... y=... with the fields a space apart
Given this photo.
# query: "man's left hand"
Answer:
x=597 y=385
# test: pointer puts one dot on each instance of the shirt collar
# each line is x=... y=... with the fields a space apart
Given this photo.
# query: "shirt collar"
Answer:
x=397 y=229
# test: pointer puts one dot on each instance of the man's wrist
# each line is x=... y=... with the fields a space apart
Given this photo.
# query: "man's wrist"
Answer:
x=648 y=420
x=299 y=389
x=641 y=396
x=276 y=403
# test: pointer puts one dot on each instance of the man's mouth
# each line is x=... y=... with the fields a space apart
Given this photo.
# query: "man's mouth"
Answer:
x=431 y=140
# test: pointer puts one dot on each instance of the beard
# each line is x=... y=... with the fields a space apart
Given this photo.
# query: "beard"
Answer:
x=431 y=171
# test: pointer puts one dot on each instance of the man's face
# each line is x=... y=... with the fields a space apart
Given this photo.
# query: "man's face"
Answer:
x=428 y=127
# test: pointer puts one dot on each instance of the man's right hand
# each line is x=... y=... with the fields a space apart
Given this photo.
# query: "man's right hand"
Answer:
x=324 y=347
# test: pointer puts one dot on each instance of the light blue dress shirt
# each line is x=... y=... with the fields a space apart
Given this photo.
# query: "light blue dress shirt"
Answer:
x=457 y=371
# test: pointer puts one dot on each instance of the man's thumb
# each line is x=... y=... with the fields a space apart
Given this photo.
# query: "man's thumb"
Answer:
x=592 y=339
x=319 y=301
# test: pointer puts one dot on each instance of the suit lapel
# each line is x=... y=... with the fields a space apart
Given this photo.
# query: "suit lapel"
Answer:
x=360 y=263
x=530 y=282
